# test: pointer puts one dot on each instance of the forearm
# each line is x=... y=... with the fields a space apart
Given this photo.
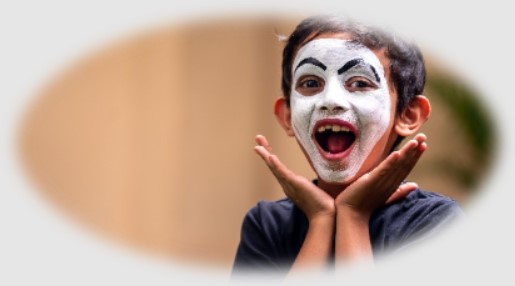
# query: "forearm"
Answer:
x=352 y=238
x=316 y=249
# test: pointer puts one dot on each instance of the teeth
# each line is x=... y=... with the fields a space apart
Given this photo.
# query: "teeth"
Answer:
x=334 y=128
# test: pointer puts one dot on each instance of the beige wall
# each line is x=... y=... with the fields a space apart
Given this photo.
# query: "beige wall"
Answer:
x=150 y=141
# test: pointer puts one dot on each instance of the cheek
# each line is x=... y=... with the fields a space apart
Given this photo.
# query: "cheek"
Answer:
x=302 y=108
x=373 y=108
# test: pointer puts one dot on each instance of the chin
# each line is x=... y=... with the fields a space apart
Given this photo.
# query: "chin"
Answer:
x=337 y=177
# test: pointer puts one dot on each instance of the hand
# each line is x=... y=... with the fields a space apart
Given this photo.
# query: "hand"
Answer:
x=383 y=184
x=402 y=191
x=313 y=201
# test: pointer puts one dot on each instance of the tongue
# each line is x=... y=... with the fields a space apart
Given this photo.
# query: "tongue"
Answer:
x=337 y=142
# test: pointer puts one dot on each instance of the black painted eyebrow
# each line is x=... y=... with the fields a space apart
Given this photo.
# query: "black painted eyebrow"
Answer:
x=312 y=61
x=350 y=64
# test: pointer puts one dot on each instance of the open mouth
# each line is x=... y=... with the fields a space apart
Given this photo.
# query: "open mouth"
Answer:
x=334 y=137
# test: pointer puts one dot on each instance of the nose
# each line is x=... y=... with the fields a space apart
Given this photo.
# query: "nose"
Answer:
x=334 y=98
x=331 y=106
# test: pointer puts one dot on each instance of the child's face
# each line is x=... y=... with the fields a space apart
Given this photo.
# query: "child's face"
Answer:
x=342 y=110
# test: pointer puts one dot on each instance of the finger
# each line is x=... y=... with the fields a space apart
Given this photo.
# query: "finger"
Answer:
x=422 y=145
x=284 y=176
x=413 y=156
x=278 y=167
x=411 y=152
x=386 y=165
x=408 y=156
x=403 y=167
x=421 y=137
x=273 y=162
x=395 y=168
x=407 y=162
x=402 y=192
x=279 y=172
x=389 y=174
x=262 y=141
x=263 y=153
x=266 y=156
x=408 y=148
x=397 y=159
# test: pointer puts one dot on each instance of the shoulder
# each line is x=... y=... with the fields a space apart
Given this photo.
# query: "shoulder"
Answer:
x=422 y=207
x=427 y=196
x=271 y=209
x=271 y=235
x=265 y=220
x=422 y=200
x=272 y=216
x=423 y=203
x=419 y=214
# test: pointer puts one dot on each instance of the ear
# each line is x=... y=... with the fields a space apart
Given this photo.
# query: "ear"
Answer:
x=283 y=115
x=412 y=118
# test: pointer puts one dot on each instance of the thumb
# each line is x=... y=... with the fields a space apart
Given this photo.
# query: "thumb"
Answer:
x=402 y=191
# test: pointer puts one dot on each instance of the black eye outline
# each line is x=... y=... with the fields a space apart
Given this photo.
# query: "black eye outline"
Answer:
x=309 y=85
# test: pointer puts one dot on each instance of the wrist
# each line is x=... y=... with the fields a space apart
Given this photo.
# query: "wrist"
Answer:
x=350 y=213
x=352 y=237
x=323 y=219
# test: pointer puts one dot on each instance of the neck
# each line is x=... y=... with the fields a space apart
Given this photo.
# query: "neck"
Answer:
x=330 y=188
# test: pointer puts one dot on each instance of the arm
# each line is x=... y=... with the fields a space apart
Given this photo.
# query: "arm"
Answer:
x=317 y=246
x=356 y=204
x=317 y=205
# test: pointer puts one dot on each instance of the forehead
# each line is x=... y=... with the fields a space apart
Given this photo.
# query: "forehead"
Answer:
x=336 y=51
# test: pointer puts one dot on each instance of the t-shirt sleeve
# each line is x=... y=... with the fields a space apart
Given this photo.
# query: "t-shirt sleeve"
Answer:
x=256 y=250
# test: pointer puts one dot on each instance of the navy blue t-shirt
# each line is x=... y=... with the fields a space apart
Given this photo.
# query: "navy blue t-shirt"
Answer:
x=273 y=232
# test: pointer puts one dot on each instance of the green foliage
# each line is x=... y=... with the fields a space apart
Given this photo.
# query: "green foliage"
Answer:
x=469 y=113
x=472 y=117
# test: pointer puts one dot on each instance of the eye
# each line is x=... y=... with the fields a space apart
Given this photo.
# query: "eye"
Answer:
x=309 y=85
x=360 y=84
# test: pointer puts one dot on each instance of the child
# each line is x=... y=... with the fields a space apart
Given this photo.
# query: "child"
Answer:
x=351 y=95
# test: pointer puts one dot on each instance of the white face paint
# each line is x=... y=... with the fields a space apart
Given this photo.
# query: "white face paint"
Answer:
x=354 y=99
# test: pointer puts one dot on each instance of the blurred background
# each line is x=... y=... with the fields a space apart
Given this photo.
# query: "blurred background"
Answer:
x=149 y=141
